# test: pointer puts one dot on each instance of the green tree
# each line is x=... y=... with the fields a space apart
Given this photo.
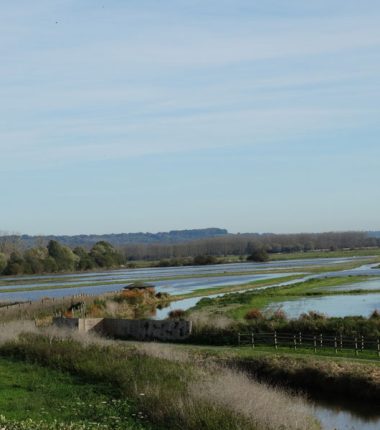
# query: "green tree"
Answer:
x=15 y=265
x=105 y=255
x=85 y=262
x=64 y=257
x=3 y=262
x=34 y=260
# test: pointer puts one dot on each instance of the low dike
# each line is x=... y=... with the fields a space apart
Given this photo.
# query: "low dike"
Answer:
x=165 y=330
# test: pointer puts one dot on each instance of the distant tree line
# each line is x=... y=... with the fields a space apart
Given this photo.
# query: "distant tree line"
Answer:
x=16 y=259
x=246 y=244
x=56 y=257
x=118 y=239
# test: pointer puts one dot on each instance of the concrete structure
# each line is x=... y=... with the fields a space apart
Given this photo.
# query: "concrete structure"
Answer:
x=129 y=329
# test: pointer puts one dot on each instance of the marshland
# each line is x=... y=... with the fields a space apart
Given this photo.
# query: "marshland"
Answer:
x=246 y=352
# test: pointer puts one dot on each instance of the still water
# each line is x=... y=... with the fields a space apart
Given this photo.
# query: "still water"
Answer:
x=333 y=306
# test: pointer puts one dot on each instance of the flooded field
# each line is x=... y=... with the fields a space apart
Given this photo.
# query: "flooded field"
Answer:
x=371 y=284
x=174 y=280
x=171 y=286
x=333 y=306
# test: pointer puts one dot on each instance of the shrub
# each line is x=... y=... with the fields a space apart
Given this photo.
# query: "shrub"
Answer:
x=258 y=255
x=253 y=314
x=279 y=314
x=375 y=314
x=201 y=260
x=312 y=315
x=177 y=314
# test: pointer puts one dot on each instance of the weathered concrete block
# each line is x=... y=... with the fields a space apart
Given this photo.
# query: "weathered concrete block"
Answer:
x=130 y=329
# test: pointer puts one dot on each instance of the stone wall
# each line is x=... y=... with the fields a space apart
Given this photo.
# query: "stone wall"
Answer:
x=129 y=329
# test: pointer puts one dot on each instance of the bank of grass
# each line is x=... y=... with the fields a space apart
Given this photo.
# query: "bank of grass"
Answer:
x=31 y=392
x=172 y=392
x=323 y=375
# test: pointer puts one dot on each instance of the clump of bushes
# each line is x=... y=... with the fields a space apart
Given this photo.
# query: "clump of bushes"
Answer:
x=253 y=314
x=258 y=255
x=177 y=314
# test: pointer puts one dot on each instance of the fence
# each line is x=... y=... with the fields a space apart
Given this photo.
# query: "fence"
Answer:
x=339 y=343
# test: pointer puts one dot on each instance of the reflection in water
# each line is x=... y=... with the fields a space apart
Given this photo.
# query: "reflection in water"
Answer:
x=335 y=418
x=173 y=286
x=334 y=306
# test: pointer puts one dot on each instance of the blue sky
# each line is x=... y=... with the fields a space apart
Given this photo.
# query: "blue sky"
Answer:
x=121 y=116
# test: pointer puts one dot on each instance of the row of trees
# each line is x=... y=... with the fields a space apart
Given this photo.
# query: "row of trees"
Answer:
x=246 y=244
x=56 y=257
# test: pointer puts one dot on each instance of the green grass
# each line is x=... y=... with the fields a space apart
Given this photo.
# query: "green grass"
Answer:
x=164 y=390
x=29 y=391
x=246 y=351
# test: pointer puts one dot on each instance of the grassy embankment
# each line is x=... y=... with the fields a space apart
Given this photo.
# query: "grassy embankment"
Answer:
x=170 y=390
x=31 y=393
x=178 y=386
x=323 y=374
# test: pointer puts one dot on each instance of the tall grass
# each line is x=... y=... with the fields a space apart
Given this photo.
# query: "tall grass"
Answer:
x=172 y=390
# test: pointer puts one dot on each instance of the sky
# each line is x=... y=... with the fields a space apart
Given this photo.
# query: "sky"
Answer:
x=250 y=115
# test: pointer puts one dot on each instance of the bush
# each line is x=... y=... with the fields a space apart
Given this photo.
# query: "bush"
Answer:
x=177 y=314
x=375 y=314
x=312 y=315
x=280 y=315
x=201 y=260
x=253 y=314
x=258 y=256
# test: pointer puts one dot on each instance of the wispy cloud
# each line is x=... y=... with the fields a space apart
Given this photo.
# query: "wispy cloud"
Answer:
x=93 y=82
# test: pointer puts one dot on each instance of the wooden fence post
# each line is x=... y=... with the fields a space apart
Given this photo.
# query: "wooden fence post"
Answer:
x=378 y=347
x=362 y=345
x=321 y=340
x=335 y=345
x=300 y=338
x=295 y=342
x=315 y=343
x=253 y=339
x=239 y=339
x=356 y=346
x=341 y=342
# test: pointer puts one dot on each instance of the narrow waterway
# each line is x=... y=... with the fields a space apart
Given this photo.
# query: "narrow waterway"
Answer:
x=338 y=417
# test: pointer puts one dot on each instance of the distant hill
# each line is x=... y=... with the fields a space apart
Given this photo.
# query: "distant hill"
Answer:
x=374 y=234
x=119 y=239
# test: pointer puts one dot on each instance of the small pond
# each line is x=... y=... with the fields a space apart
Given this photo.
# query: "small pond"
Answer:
x=334 y=306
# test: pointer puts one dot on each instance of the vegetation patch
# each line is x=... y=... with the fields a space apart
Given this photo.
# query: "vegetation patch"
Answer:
x=37 y=397
x=169 y=391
